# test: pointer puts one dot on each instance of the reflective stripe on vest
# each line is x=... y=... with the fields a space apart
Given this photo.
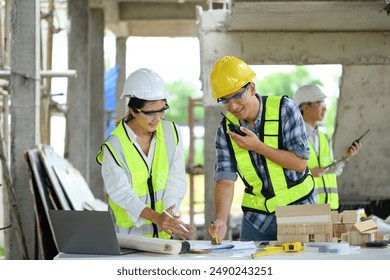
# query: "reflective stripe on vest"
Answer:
x=326 y=185
x=255 y=198
x=130 y=160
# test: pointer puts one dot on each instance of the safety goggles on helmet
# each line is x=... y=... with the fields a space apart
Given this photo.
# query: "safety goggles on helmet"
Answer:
x=153 y=113
x=226 y=101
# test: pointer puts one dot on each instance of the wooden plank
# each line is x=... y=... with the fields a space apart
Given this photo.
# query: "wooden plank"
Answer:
x=302 y=210
x=334 y=217
x=366 y=226
x=288 y=229
x=350 y=216
x=304 y=219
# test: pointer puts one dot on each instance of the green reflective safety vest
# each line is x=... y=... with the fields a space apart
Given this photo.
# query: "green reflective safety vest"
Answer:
x=255 y=198
x=326 y=185
x=149 y=189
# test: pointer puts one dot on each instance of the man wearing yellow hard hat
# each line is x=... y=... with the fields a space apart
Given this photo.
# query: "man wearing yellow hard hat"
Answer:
x=271 y=158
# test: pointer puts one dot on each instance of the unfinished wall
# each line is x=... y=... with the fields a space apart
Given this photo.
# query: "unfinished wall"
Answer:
x=364 y=104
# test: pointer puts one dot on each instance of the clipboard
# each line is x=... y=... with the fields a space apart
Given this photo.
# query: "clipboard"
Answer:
x=335 y=163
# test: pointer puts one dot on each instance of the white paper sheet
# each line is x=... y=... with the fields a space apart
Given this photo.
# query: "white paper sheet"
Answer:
x=206 y=245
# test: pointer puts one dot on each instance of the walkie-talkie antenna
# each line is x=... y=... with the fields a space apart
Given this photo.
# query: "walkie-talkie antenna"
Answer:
x=233 y=127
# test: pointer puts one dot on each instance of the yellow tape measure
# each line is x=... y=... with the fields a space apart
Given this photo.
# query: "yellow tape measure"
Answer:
x=286 y=247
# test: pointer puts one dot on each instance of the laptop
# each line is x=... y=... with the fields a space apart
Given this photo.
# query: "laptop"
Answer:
x=85 y=232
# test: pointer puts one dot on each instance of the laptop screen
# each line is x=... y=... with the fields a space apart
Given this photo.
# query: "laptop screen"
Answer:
x=85 y=232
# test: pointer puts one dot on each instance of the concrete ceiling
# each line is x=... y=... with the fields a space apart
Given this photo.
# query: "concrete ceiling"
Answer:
x=310 y=16
x=175 y=18
x=178 y=18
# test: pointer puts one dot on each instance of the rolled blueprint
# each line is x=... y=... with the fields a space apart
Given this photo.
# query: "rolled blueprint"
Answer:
x=185 y=247
x=149 y=244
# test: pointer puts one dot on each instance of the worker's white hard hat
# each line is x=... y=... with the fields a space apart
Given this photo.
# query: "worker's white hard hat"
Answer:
x=145 y=84
x=307 y=94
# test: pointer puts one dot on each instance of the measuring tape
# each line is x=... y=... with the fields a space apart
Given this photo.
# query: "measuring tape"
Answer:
x=286 y=247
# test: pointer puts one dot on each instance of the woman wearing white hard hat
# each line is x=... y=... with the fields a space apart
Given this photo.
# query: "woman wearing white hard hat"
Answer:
x=143 y=164
x=311 y=102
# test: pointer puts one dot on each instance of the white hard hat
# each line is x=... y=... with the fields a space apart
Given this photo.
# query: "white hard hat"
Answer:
x=145 y=84
x=308 y=93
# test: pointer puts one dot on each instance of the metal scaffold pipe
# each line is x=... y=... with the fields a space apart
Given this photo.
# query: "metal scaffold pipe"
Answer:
x=46 y=74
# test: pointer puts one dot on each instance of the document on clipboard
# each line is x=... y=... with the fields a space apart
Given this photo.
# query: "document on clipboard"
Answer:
x=335 y=163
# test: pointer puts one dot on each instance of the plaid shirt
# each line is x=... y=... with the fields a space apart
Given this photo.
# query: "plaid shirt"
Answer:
x=293 y=139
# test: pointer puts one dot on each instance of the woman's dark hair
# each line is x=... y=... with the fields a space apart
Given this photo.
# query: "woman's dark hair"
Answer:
x=136 y=103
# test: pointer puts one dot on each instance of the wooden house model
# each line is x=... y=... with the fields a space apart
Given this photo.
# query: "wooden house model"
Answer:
x=343 y=222
x=304 y=223
x=361 y=233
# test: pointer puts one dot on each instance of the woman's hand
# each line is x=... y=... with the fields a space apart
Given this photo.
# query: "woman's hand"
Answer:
x=173 y=226
x=191 y=234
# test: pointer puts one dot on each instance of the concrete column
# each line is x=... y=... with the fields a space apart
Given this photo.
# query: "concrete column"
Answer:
x=25 y=92
x=363 y=105
x=121 y=61
x=77 y=143
x=96 y=84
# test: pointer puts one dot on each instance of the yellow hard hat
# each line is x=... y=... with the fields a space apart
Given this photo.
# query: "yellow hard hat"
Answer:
x=229 y=75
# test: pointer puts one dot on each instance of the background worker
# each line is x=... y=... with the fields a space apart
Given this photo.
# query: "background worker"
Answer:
x=310 y=100
x=271 y=159
x=143 y=164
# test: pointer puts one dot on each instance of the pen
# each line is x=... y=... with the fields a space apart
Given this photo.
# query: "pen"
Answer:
x=215 y=238
x=183 y=227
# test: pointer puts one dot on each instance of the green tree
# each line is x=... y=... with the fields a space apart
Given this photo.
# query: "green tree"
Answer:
x=181 y=92
x=285 y=83
x=178 y=105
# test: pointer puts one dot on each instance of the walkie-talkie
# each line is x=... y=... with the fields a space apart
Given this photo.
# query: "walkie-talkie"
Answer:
x=350 y=147
x=233 y=127
x=360 y=138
